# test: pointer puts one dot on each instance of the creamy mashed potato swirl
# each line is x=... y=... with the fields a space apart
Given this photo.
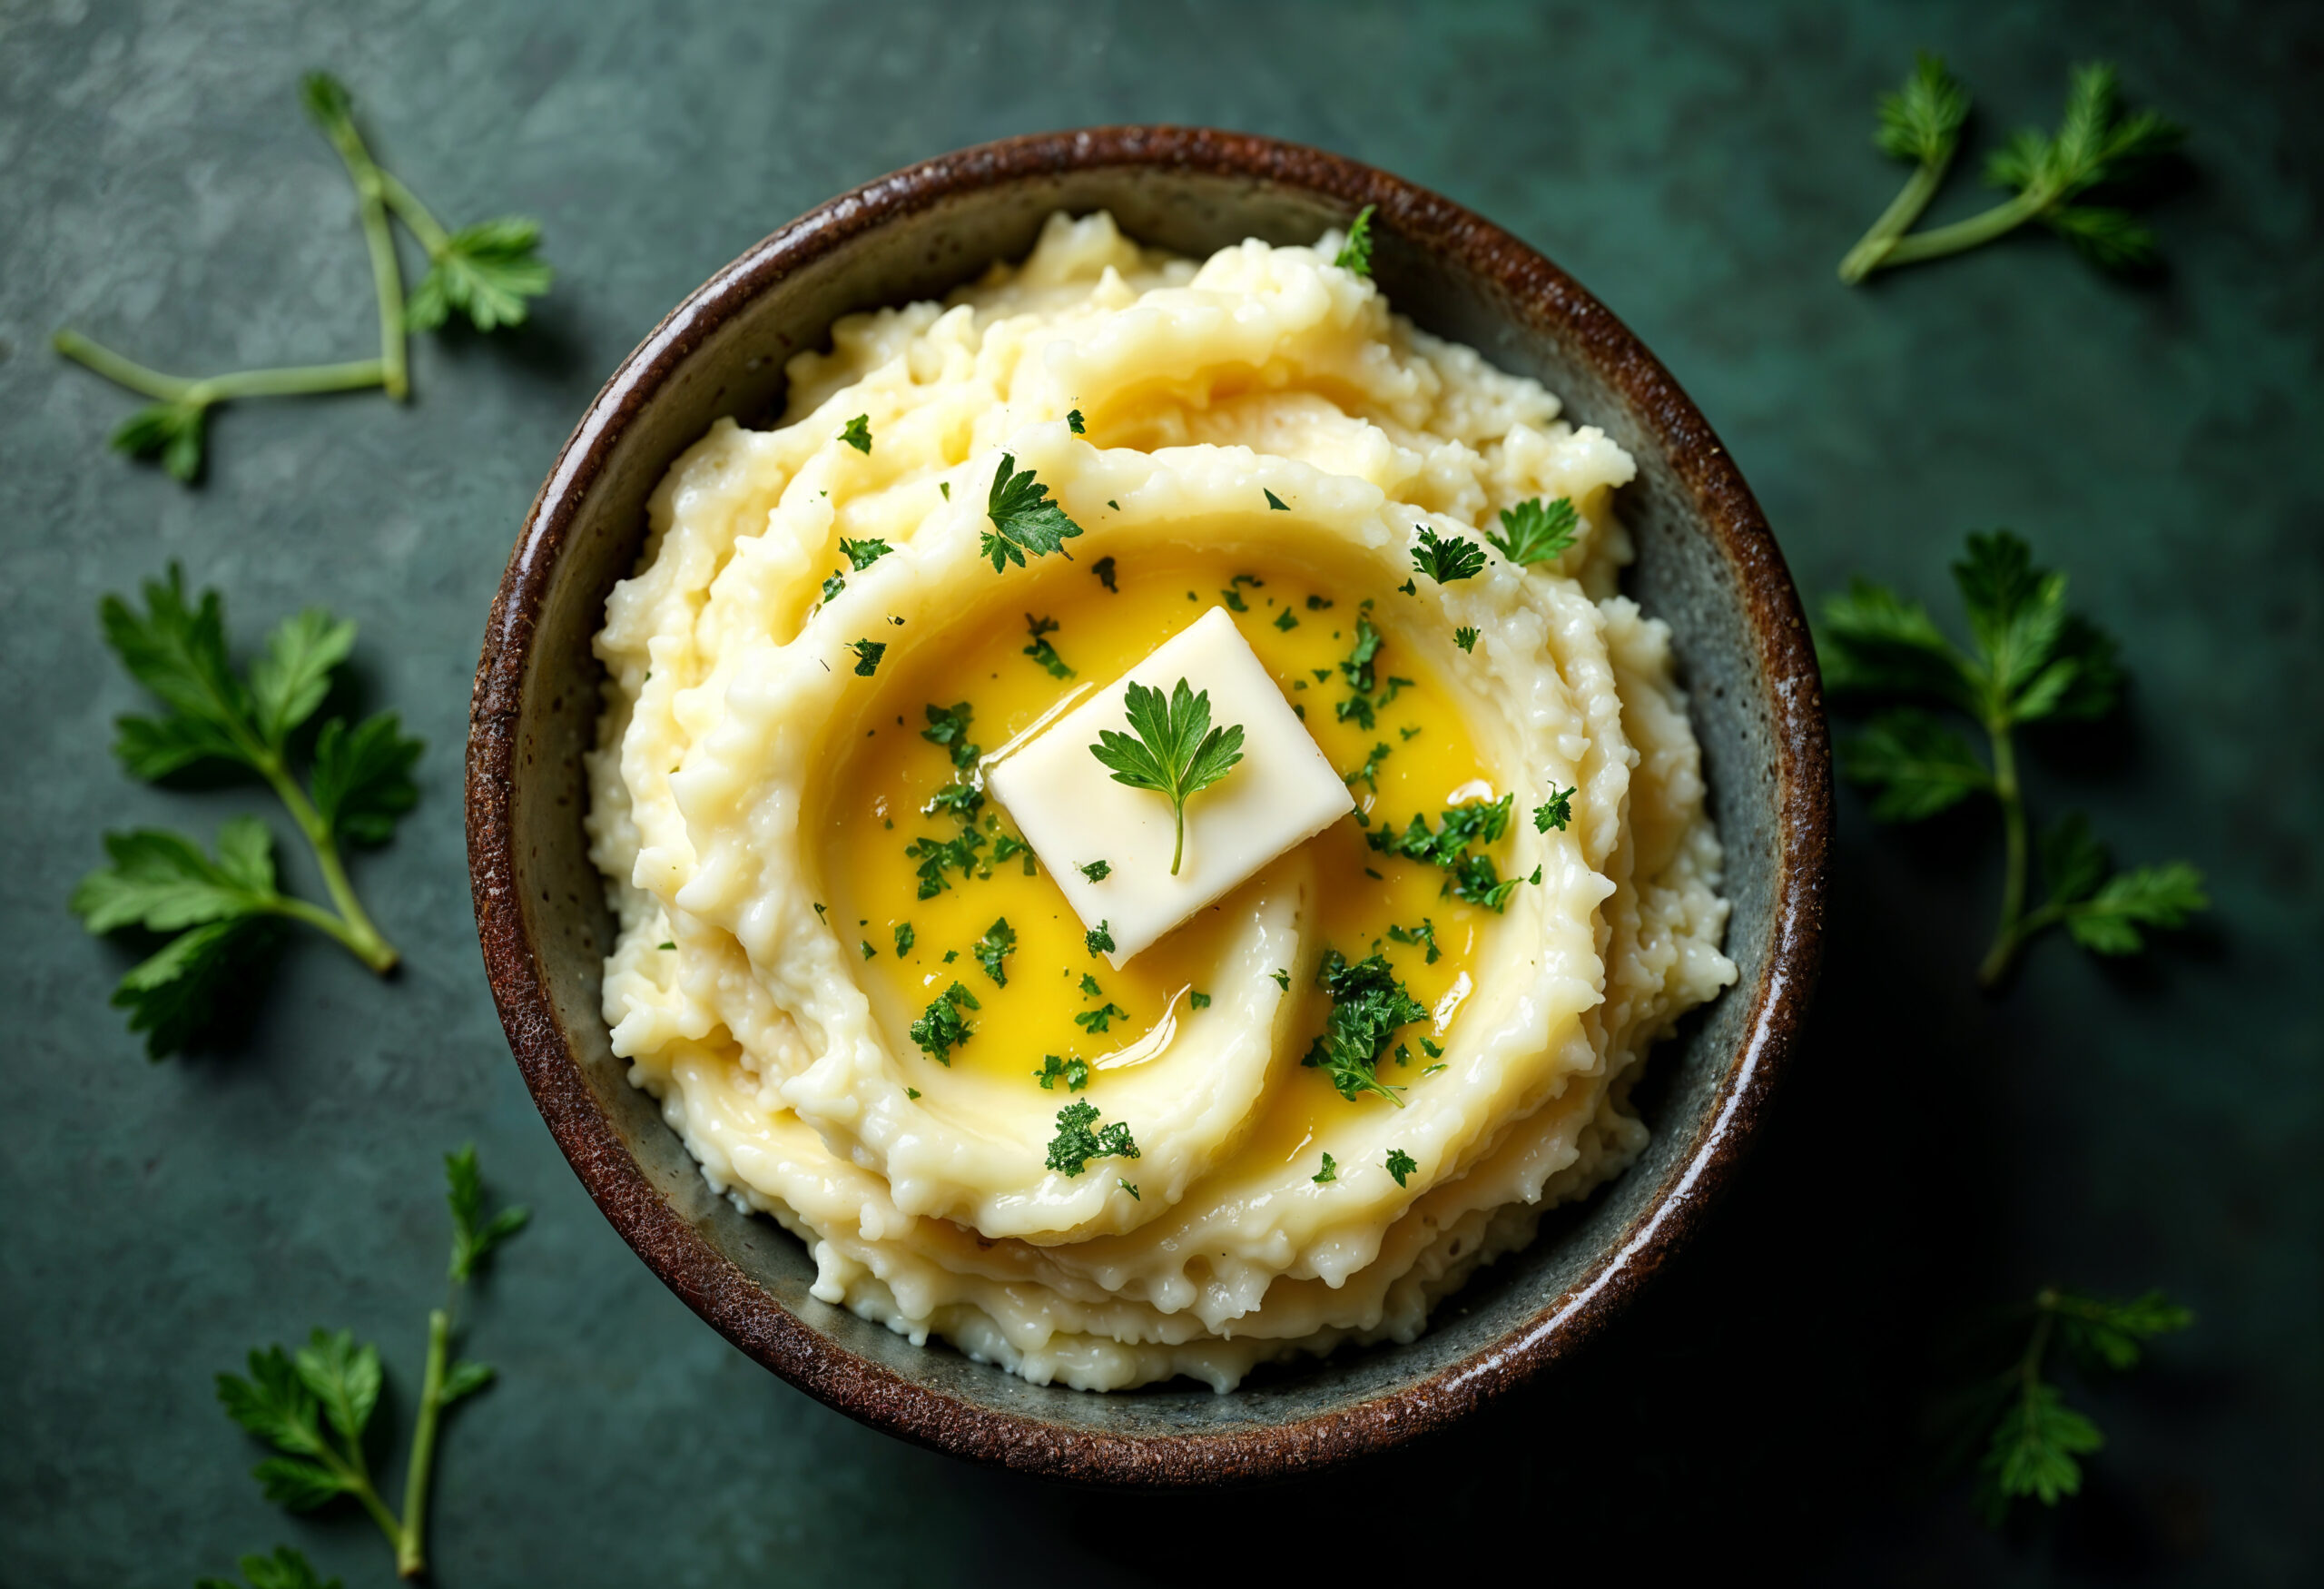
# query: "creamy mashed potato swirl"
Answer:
x=765 y=978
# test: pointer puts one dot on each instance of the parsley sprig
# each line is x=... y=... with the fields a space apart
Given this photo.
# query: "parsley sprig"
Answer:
x=484 y=272
x=1077 y=1142
x=1175 y=753
x=1920 y=122
x=313 y=1406
x=1534 y=531
x=1447 y=557
x=1356 y=253
x=2031 y=660
x=219 y=909
x=2031 y=1441
x=1024 y=519
x=2098 y=147
x=1368 y=1006
x=1472 y=876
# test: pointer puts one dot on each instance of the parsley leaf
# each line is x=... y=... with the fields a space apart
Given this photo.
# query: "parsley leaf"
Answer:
x=862 y=554
x=2030 y=659
x=1533 y=532
x=992 y=950
x=867 y=656
x=1445 y=559
x=858 y=434
x=1177 y=752
x=358 y=784
x=1356 y=253
x=314 y=1406
x=483 y=272
x=1465 y=637
x=285 y=1569
x=904 y=939
x=1098 y=939
x=1075 y=1144
x=1275 y=503
x=1104 y=569
x=1076 y=423
x=1369 y=772
x=1100 y=1018
x=1073 y=1071
x=1555 y=812
x=1329 y=1173
x=935 y=856
x=1399 y=1164
x=1042 y=651
x=1098 y=871
x=1024 y=519
x=1368 y=1006
x=1921 y=122
x=1473 y=877
x=940 y=1029
x=948 y=728
x=1424 y=934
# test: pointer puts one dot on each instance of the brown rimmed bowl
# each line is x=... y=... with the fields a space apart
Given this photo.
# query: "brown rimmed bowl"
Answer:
x=1706 y=563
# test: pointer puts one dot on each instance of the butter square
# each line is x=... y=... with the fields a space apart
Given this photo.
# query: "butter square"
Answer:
x=1283 y=792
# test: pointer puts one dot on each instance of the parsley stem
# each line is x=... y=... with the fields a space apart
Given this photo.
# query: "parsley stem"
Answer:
x=1872 y=250
x=1963 y=235
x=352 y=926
x=387 y=274
x=411 y=1539
x=2011 y=933
x=414 y=215
x=287 y=380
x=1178 y=810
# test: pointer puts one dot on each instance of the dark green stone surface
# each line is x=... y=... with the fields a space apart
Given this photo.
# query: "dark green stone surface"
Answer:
x=1701 y=169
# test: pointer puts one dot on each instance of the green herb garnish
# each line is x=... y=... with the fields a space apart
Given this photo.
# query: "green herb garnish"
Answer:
x=1555 y=812
x=1533 y=532
x=1130 y=1188
x=1198 y=1001
x=858 y=434
x=2031 y=1440
x=1921 y=123
x=940 y=1027
x=1356 y=253
x=1100 y=1018
x=1098 y=940
x=285 y=1569
x=948 y=728
x=1089 y=988
x=1073 y=1071
x=1329 y=1173
x=1042 y=651
x=1075 y=423
x=937 y=855
x=2096 y=147
x=993 y=950
x=1465 y=637
x=956 y=799
x=1445 y=559
x=2031 y=660
x=219 y=910
x=1176 y=753
x=1098 y=871
x=1368 y=1006
x=485 y=272
x=1399 y=1164
x=1369 y=772
x=1423 y=935
x=904 y=938
x=1275 y=503
x=1104 y=569
x=1024 y=519
x=290 y=1397
x=862 y=554
x=1075 y=1144
x=1472 y=877
x=867 y=656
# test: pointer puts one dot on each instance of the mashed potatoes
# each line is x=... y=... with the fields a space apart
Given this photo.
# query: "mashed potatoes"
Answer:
x=817 y=659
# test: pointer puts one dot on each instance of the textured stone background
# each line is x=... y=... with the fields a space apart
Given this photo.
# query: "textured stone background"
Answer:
x=1701 y=167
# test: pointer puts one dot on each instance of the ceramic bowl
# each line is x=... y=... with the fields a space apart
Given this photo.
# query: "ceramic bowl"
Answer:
x=1706 y=563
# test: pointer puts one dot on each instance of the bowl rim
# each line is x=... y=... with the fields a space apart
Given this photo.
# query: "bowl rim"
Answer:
x=754 y=1320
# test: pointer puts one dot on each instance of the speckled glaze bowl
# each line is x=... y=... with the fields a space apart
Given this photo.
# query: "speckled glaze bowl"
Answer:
x=1706 y=563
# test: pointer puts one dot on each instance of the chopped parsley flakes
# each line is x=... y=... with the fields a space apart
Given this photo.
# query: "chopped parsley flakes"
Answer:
x=1075 y=1143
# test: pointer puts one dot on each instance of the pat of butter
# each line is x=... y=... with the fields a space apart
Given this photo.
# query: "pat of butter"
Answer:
x=1066 y=803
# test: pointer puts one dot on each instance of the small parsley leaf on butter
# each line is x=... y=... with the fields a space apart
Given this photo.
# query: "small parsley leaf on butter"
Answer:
x=1356 y=253
x=1175 y=753
x=1473 y=877
x=1104 y=569
x=1098 y=940
x=1284 y=621
x=1329 y=1173
x=1555 y=812
x=1369 y=772
x=867 y=656
x=1071 y=1070
x=1399 y=1164
x=1075 y=1143
x=1198 y=1001
x=1368 y=1006
x=1005 y=845
x=1445 y=559
x=1023 y=519
x=940 y=1027
x=993 y=950
x=904 y=937
x=956 y=799
x=1534 y=531
x=1089 y=988
x=935 y=855
x=1233 y=600
x=1465 y=637
x=1075 y=423
x=1281 y=978
x=858 y=433
x=1098 y=871
x=1042 y=652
